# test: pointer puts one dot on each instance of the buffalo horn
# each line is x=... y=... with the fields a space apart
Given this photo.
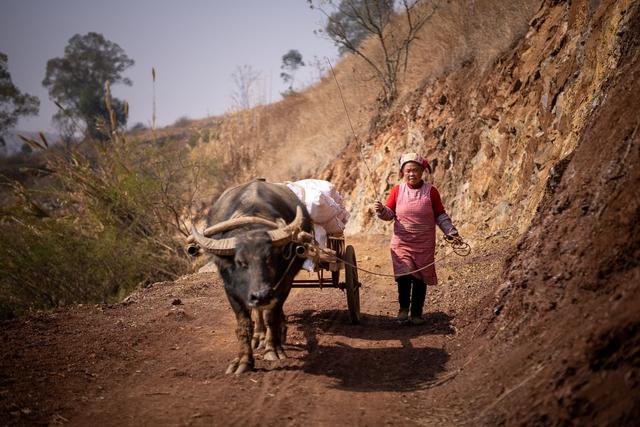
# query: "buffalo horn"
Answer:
x=222 y=247
x=283 y=235
x=226 y=247
x=234 y=223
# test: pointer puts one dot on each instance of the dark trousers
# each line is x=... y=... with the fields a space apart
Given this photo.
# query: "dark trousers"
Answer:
x=411 y=293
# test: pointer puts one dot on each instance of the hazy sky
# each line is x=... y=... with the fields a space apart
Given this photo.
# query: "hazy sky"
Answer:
x=195 y=46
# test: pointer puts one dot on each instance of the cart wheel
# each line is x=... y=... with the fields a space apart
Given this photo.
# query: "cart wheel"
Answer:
x=352 y=284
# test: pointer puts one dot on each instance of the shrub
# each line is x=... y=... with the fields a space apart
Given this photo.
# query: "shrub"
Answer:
x=182 y=122
x=49 y=263
x=109 y=217
x=138 y=126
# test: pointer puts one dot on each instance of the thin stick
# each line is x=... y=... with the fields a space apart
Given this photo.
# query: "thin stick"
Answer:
x=153 y=114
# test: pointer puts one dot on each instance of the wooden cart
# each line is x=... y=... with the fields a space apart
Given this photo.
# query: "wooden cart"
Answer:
x=334 y=259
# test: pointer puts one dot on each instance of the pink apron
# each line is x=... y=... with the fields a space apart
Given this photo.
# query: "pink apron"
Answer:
x=414 y=233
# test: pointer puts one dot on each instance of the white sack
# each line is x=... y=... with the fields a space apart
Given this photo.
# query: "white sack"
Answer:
x=333 y=226
x=323 y=202
x=321 y=235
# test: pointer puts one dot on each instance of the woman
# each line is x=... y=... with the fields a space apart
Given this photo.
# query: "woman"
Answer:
x=416 y=208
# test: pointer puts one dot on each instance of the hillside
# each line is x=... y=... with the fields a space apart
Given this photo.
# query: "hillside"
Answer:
x=529 y=112
x=543 y=147
x=304 y=134
x=496 y=133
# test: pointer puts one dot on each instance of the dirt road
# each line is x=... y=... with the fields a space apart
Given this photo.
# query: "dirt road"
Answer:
x=159 y=357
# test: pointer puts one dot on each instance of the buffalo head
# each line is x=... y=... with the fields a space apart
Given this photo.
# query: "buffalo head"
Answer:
x=252 y=262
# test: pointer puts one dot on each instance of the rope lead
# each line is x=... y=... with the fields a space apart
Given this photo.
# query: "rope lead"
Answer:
x=459 y=246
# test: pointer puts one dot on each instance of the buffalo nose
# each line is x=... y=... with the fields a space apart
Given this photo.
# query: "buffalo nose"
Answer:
x=261 y=296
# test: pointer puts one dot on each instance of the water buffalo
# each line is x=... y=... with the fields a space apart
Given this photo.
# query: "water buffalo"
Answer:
x=256 y=229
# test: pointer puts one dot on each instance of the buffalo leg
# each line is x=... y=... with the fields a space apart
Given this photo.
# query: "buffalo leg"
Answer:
x=259 y=329
x=276 y=334
x=244 y=362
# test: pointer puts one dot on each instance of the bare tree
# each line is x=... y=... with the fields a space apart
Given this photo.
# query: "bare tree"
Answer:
x=350 y=22
x=319 y=67
x=245 y=94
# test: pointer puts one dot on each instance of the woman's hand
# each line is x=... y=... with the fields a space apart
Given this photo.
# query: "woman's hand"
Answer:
x=378 y=207
x=454 y=238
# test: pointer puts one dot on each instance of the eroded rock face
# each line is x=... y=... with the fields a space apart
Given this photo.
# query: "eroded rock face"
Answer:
x=494 y=134
x=542 y=145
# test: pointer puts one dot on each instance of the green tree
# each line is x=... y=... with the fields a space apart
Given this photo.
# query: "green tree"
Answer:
x=13 y=103
x=350 y=22
x=291 y=62
x=77 y=80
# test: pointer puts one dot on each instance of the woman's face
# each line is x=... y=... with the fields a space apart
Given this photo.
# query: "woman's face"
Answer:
x=412 y=172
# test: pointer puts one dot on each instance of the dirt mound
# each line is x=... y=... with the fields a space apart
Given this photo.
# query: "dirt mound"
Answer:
x=560 y=334
x=572 y=282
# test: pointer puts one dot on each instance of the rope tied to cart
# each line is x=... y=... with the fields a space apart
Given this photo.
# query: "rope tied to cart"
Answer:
x=459 y=246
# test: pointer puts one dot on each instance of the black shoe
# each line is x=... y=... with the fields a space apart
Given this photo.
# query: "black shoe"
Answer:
x=417 y=320
x=403 y=314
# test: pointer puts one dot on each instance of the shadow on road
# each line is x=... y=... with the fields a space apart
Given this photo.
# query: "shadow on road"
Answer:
x=383 y=359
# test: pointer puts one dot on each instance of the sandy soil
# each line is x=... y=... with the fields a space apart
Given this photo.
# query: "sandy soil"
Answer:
x=155 y=360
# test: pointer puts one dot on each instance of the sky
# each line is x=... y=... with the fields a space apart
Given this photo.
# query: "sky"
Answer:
x=194 y=45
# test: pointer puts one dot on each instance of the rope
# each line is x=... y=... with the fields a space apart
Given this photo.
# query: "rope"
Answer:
x=355 y=136
x=285 y=273
x=408 y=273
x=459 y=247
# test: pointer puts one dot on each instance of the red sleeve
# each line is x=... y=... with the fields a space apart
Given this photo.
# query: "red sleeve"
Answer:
x=393 y=197
x=436 y=202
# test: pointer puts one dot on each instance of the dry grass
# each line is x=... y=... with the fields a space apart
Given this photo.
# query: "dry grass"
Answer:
x=301 y=135
x=476 y=31
x=102 y=218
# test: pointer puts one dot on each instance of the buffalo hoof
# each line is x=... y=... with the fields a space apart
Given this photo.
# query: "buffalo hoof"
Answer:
x=257 y=342
x=275 y=354
x=237 y=367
